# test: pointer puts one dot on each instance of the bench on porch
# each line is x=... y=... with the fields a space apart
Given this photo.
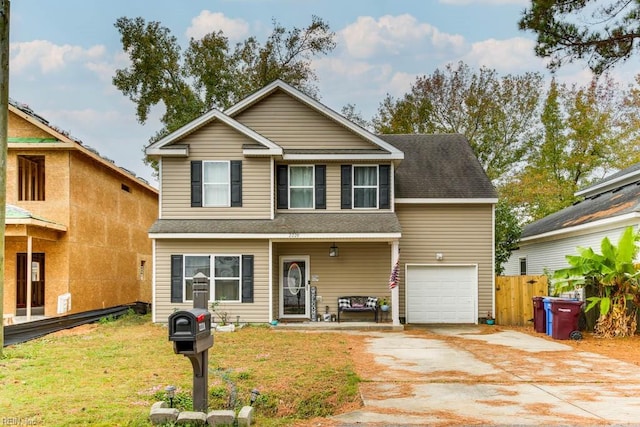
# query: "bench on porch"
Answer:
x=358 y=304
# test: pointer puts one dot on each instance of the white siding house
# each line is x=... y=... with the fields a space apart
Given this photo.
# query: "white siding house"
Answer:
x=608 y=207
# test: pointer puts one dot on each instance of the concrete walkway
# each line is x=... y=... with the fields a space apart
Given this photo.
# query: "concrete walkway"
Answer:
x=461 y=376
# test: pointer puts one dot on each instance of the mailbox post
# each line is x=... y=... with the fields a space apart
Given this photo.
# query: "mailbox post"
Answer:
x=190 y=331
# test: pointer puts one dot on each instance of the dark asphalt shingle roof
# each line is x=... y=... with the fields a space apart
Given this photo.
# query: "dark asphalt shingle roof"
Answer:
x=438 y=166
x=608 y=204
x=325 y=222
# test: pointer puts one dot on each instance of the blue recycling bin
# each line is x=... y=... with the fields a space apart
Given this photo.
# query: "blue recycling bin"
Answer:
x=548 y=315
x=547 y=301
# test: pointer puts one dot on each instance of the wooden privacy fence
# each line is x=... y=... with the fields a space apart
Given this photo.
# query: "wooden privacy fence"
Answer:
x=514 y=298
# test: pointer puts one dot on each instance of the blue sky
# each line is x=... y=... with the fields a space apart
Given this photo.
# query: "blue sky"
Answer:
x=64 y=53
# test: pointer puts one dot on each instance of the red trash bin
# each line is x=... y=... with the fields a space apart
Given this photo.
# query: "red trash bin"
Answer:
x=539 y=315
x=566 y=314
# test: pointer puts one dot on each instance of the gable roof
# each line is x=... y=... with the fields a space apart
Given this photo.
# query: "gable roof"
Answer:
x=319 y=107
x=612 y=205
x=441 y=166
x=168 y=146
x=61 y=139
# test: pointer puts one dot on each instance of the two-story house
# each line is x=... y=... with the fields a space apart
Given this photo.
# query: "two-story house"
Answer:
x=279 y=198
x=76 y=225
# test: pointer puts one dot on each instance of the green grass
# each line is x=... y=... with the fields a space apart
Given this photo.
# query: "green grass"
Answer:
x=109 y=374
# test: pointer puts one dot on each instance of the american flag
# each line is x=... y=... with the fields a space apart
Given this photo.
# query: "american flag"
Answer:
x=393 y=280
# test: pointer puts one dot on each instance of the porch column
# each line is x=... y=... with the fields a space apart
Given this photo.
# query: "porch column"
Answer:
x=29 y=285
x=395 y=292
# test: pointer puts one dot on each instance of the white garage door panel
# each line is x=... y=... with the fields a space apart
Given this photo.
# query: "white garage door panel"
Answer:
x=441 y=294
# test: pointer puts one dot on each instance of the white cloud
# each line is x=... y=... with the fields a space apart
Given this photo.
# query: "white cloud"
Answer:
x=507 y=56
x=394 y=35
x=207 y=22
x=50 y=57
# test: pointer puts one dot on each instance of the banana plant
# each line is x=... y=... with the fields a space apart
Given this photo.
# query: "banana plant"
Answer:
x=615 y=278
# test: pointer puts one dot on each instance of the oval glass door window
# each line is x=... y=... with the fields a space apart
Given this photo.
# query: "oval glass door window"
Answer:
x=294 y=279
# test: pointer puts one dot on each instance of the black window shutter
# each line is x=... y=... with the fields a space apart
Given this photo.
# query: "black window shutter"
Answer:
x=176 y=278
x=236 y=183
x=345 y=187
x=385 y=186
x=247 y=278
x=283 y=186
x=196 y=184
x=321 y=186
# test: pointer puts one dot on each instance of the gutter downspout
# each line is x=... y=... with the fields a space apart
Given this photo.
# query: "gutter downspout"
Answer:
x=395 y=292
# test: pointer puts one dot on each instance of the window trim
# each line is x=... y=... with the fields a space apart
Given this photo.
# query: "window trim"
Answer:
x=312 y=187
x=520 y=262
x=354 y=187
x=227 y=202
x=189 y=297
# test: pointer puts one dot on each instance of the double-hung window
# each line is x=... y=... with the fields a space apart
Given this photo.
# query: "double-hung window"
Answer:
x=224 y=283
x=216 y=183
x=194 y=264
x=301 y=187
x=226 y=278
x=365 y=187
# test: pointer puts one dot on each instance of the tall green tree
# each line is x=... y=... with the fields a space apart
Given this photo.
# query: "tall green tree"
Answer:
x=584 y=135
x=496 y=114
x=210 y=73
x=602 y=32
x=507 y=233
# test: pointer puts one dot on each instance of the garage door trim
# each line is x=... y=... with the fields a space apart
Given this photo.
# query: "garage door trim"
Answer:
x=474 y=293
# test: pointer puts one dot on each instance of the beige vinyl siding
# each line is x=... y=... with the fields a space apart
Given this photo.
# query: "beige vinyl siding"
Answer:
x=333 y=187
x=216 y=142
x=293 y=125
x=462 y=233
x=248 y=312
x=362 y=268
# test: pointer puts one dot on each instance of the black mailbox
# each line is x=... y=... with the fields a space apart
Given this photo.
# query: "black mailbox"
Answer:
x=190 y=331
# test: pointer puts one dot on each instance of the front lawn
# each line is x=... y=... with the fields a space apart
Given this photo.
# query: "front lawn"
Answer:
x=111 y=372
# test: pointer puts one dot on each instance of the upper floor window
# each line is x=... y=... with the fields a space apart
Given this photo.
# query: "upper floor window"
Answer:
x=30 y=177
x=365 y=186
x=301 y=187
x=216 y=183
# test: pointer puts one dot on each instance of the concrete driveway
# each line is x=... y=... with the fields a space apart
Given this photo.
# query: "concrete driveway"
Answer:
x=461 y=376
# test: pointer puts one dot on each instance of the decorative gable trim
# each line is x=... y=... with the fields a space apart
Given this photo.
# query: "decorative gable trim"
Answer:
x=167 y=147
x=393 y=152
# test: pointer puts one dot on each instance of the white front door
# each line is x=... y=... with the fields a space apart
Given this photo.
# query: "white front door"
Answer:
x=294 y=287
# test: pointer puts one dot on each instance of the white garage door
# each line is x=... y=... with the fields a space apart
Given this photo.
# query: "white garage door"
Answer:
x=441 y=294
